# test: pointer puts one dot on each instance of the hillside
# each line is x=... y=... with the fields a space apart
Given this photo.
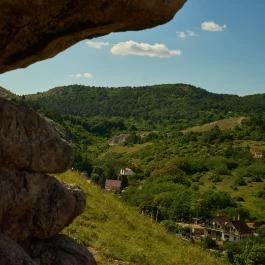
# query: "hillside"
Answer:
x=6 y=93
x=117 y=234
x=224 y=124
x=212 y=156
x=178 y=105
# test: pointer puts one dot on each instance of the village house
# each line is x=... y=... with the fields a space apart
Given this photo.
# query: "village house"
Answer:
x=113 y=185
x=197 y=230
x=126 y=172
x=225 y=229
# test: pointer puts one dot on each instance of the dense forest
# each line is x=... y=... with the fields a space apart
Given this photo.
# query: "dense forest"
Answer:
x=177 y=105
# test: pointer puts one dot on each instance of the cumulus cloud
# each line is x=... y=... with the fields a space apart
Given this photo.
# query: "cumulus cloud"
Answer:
x=96 y=44
x=143 y=49
x=82 y=75
x=185 y=34
x=212 y=26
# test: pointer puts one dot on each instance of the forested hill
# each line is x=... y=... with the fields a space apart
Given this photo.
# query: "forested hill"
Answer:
x=176 y=103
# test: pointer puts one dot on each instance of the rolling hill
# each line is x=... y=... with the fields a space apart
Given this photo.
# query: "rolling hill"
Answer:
x=179 y=105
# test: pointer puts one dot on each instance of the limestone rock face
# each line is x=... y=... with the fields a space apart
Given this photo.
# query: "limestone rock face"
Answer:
x=12 y=254
x=36 y=205
x=33 y=30
x=60 y=250
x=28 y=141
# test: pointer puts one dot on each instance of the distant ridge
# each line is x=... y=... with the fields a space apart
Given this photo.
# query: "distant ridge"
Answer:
x=171 y=103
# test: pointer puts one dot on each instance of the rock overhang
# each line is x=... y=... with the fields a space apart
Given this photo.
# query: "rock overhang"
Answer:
x=31 y=31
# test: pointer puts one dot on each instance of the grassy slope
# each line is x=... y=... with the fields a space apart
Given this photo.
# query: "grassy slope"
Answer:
x=5 y=93
x=255 y=205
x=229 y=123
x=119 y=235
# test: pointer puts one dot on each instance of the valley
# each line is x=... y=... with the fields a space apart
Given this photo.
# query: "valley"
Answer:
x=193 y=153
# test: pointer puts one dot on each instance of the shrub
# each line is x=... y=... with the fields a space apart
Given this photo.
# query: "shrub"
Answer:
x=261 y=194
x=208 y=242
x=239 y=181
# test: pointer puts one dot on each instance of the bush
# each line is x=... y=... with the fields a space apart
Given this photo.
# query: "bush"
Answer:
x=239 y=181
x=215 y=178
x=256 y=178
x=208 y=242
x=195 y=187
x=222 y=170
x=174 y=228
x=239 y=199
x=261 y=194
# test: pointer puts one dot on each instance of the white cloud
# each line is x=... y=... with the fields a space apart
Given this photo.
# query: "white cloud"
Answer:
x=82 y=75
x=143 y=49
x=87 y=75
x=96 y=44
x=185 y=34
x=212 y=26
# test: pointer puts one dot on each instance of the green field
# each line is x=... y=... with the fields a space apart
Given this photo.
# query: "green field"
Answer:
x=255 y=205
x=224 y=124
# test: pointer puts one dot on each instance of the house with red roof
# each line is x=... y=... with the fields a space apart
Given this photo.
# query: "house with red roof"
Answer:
x=113 y=185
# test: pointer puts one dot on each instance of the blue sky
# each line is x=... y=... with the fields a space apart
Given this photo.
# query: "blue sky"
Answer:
x=213 y=44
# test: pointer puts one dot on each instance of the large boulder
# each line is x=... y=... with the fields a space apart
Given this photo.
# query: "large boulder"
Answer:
x=33 y=30
x=13 y=254
x=30 y=142
x=36 y=205
x=60 y=250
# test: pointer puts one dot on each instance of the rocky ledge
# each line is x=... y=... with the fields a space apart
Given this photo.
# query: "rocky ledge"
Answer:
x=33 y=30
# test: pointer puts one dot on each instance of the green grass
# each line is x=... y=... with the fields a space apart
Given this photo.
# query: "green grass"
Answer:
x=118 y=234
x=258 y=145
x=225 y=124
x=255 y=205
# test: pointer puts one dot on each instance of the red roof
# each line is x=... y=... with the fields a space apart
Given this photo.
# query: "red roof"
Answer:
x=113 y=184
